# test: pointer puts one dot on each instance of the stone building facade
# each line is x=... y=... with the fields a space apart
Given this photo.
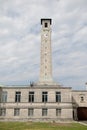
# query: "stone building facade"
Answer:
x=36 y=103
x=45 y=100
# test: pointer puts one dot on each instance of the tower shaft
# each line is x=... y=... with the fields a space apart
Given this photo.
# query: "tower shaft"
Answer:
x=46 y=54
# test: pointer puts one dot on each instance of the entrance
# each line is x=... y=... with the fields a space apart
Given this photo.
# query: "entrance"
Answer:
x=82 y=113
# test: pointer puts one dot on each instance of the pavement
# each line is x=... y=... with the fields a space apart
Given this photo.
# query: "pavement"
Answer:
x=83 y=122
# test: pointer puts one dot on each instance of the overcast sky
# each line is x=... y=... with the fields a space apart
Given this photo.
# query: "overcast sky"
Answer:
x=20 y=31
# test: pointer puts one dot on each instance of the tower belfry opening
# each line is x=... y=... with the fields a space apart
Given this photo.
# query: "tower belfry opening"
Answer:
x=46 y=53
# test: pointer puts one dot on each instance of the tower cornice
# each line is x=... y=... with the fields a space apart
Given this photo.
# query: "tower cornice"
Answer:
x=46 y=19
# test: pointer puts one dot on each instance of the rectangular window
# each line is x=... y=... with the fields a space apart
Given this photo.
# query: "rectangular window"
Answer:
x=31 y=96
x=58 y=112
x=16 y=111
x=4 y=96
x=18 y=97
x=44 y=112
x=30 y=112
x=58 y=96
x=44 y=96
x=2 y=111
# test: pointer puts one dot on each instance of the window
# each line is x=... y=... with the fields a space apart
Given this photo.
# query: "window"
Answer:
x=58 y=96
x=82 y=98
x=4 y=97
x=46 y=25
x=44 y=112
x=58 y=112
x=2 y=111
x=16 y=111
x=44 y=96
x=31 y=96
x=18 y=97
x=30 y=112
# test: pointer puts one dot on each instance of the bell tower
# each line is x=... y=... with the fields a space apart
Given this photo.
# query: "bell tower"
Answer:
x=45 y=53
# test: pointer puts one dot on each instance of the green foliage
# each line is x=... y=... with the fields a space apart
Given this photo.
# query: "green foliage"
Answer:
x=40 y=126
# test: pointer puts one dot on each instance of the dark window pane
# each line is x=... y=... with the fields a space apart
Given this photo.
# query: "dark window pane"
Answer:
x=46 y=25
x=31 y=96
x=2 y=111
x=44 y=96
x=58 y=96
x=4 y=96
x=16 y=112
x=17 y=96
x=58 y=112
x=82 y=99
x=44 y=112
x=30 y=112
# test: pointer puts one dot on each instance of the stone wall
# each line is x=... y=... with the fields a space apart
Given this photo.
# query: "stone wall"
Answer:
x=65 y=105
x=77 y=95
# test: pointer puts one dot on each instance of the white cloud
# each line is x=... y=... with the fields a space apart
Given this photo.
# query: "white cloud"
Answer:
x=20 y=40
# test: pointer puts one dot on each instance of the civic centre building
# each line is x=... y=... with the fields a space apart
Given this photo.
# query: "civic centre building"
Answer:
x=45 y=100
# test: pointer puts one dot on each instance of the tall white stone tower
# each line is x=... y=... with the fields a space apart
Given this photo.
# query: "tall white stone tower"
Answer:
x=46 y=56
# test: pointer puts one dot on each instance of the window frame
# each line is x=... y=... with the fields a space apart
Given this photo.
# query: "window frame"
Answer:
x=58 y=96
x=44 y=111
x=44 y=96
x=16 y=111
x=2 y=111
x=31 y=96
x=30 y=111
x=58 y=112
x=4 y=95
x=17 y=96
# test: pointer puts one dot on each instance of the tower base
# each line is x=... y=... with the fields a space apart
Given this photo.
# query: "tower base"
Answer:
x=47 y=83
